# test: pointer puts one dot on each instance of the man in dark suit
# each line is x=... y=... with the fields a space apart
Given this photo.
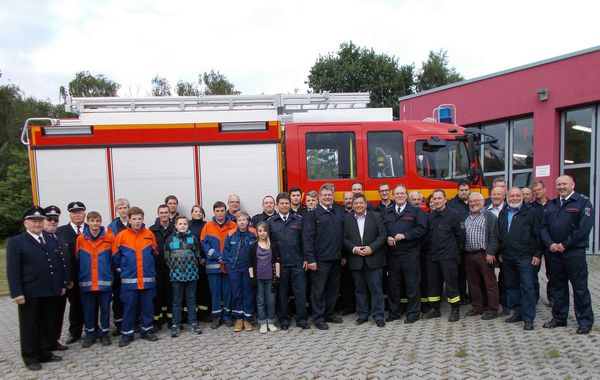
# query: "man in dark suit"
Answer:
x=69 y=233
x=405 y=227
x=364 y=243
x=37 y=279
x=52 y=219
x=322 y=245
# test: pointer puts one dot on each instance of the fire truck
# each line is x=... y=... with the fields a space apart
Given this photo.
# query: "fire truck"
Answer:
x=201 y=149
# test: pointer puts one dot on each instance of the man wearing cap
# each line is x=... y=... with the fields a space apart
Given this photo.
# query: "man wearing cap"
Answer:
x=69 y=233
x=37 y=279
x=51 y=226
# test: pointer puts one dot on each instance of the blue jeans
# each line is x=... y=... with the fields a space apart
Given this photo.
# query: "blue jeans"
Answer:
x=91 y=301
x=368 y=282
x=297 y=276
x=265 y=299
x=220 y=294
x=179 y=288
x=242 y=294
x=520 y=292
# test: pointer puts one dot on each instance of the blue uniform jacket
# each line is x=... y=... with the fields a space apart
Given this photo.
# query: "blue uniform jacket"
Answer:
x=322 y=234
x=235 y=250
x=569 y=224
x=411 y=222
x=288 y=235
x=34 y=270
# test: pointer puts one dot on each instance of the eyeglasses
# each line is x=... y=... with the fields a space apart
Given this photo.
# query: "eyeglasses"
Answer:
x=384 y=191
x=55 y=220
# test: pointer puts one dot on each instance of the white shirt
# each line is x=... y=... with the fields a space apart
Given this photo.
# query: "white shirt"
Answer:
x=360 y=220
x=494 y=210
x=37 y=237
x=74 y=227
x=284 y=217
x=399 y=209
x=568 y=196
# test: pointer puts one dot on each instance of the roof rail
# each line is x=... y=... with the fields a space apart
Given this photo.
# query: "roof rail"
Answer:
x=284 y=103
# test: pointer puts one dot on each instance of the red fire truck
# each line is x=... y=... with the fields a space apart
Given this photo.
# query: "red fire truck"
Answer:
x=203 y=148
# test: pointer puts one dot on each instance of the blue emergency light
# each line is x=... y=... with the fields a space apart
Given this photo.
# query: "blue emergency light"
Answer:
x=445 y=113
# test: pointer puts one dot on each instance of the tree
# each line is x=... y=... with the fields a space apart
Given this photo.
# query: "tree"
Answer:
x=356 y=69
x=216 y=83
x=15 y=183
x=87 y=85
x=186 y=89
x=435 y=72
x=160 y=86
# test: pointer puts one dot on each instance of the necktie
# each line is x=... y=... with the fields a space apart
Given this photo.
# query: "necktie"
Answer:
x=41 y=240
x=78 y=230
x=562 y=201
x=285 y=219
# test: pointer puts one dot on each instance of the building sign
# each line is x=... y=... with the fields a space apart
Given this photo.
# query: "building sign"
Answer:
x=542 y=171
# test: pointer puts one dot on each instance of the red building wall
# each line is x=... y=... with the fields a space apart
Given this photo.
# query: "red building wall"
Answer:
x=571 y=81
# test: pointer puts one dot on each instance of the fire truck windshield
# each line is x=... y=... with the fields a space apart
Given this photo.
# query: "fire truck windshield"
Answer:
x=442 y=159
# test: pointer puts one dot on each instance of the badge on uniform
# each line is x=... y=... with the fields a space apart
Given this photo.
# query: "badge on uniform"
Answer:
x=588 y=211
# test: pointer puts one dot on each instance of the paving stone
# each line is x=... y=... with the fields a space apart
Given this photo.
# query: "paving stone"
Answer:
x=427 y=349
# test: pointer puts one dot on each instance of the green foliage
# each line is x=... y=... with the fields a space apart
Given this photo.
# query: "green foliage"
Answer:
x=160 y=86
x=15 y=184
x=356 y=69
x=15 y=191
x=87 y=85
x=216 y=83
x=186 y=89
x=435 y=72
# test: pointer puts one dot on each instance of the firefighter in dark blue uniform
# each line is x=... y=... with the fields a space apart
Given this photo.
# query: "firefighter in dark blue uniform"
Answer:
x=37 y=278
x=565 y=233
x=445 y=238
x=405 y=226
x=52 y=218
x=286 y=231
x=322 y=247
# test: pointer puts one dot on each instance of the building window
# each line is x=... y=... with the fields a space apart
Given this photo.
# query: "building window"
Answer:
x=513 y=160
x=386 y=154
x=577 y=141
x=330 y=155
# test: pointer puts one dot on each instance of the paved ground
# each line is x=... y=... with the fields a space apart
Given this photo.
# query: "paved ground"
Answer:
x=435 y=349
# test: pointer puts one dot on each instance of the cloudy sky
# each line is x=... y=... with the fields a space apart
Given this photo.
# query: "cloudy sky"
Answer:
x=269 y=46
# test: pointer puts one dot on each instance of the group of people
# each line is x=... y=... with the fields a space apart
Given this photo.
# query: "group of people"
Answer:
x=333 y=257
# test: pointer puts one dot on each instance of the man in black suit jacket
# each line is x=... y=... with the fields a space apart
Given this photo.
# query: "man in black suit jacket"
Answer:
x=69 y=233
x=37 y=279
x=364 y=242
x=405 y=226
x=322 y=246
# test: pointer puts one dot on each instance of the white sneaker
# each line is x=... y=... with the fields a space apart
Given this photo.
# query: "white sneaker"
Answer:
x=263 y=329
x=272 y=328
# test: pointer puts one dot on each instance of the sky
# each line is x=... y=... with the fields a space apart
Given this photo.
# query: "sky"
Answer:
x=268 y=47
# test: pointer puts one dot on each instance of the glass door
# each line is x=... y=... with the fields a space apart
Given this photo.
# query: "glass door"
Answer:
x=579 y=139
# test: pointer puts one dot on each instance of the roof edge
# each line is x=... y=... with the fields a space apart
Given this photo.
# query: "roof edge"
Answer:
x=503 y=72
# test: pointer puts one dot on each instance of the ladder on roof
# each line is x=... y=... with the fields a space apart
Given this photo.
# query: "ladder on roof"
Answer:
x=284 y=103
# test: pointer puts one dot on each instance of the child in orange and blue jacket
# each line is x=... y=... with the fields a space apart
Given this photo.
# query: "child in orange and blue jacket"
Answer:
x=134 y=253
x=93 y=254
x=212 y=239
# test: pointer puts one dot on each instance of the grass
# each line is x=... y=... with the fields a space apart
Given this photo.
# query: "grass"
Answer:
x=3 y=280
x=461 y=352
x=554 y=353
